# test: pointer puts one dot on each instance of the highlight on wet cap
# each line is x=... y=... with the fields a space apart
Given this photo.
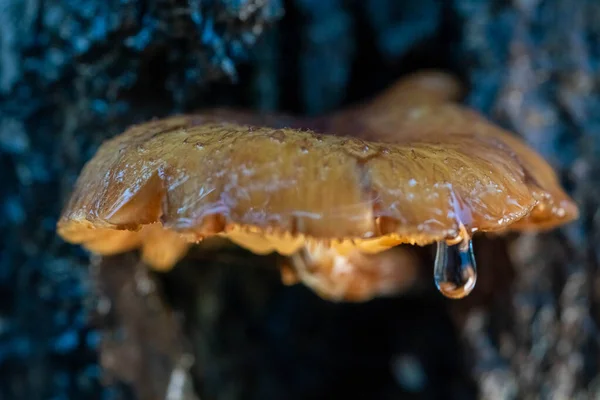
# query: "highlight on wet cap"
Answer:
x=332 y=192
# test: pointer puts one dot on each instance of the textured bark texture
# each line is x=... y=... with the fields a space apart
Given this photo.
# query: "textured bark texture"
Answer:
x=73 y=73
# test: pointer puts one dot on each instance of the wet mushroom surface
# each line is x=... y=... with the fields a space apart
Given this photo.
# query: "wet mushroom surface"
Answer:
x=336 y=193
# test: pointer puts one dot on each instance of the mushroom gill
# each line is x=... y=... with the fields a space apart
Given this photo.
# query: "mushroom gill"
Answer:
x=409 y=167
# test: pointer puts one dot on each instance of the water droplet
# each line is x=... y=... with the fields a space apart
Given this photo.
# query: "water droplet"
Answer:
x=455 y=276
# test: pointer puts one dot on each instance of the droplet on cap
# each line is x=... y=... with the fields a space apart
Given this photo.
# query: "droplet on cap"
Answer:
x=455 y=276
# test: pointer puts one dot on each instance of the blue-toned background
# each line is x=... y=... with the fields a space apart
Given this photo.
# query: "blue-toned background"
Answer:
x=73 y=73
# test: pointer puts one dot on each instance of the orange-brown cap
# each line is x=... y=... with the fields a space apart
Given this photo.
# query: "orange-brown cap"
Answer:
x=409 y=167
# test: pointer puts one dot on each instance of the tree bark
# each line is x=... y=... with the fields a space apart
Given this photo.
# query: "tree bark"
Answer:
x=75 y=73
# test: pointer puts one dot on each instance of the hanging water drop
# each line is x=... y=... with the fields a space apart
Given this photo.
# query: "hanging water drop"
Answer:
x=455 y=277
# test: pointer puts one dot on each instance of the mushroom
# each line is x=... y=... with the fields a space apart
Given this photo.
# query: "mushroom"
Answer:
x=332 y=193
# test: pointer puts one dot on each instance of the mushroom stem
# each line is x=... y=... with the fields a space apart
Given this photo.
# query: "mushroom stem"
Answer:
x=352 y=275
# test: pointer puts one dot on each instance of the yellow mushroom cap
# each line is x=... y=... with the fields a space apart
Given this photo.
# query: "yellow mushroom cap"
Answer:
x=409 y=167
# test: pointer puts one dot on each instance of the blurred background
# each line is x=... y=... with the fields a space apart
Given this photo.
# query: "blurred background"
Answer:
x=74 y=73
